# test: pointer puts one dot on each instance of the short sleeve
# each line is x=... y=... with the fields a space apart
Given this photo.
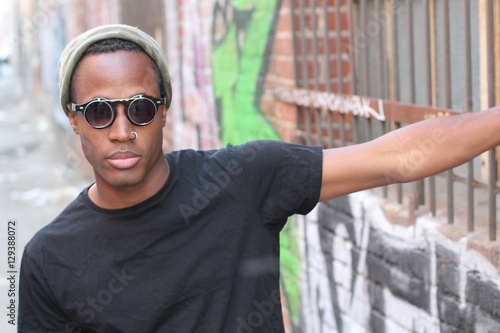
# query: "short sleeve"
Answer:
x=37 y=309
x=280 y=179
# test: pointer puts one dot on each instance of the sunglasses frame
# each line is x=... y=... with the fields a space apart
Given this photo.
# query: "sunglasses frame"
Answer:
x=157 y=102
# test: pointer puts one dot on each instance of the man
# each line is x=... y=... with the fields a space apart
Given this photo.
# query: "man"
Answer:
x=189 y=241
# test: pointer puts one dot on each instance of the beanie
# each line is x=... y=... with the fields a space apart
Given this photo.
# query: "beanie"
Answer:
x=77 y=47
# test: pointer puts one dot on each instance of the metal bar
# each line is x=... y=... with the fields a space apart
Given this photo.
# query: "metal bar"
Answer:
x=308 y=126
x=366 y=72
x=492 y=195
x=327 y=47
x=386 y=129
x=388 y=109
x=380 y=56
x=427 y=24
x=330 y=131
x=419 y=188
x=447 y=93
x=339 y=57
x=411 y=52
x=447 y=57
x=295 y=42
x=296 y=66
x=468 y=108
x=368 y=122
x=343 y=139
x=315 y=44
x=319 y=127
x=305 y=74
x=399 y=186
x=315 y=60
x=365 y=126
x=339 y=45
x=428 y=52
x=353 y=46
x=368 y=129
x=491 y=102
x=395 y=79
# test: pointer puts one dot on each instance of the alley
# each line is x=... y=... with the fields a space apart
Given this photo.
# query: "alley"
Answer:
x=39 y=175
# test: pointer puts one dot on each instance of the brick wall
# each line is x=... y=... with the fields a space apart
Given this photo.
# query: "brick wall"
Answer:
x=281 y=73
x=362 y=273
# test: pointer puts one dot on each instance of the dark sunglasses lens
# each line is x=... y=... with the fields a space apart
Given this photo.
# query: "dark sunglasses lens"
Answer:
x=142 y=111
x=99 y=114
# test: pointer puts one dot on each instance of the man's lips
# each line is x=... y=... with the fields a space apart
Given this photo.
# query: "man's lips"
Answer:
x=123 y=159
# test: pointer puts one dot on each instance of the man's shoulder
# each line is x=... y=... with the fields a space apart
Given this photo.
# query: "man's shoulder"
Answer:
x=243 y=149
x=62 y=225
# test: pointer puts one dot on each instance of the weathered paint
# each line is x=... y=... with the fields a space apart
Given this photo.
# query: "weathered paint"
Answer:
x=240 y=38
x=362 y=273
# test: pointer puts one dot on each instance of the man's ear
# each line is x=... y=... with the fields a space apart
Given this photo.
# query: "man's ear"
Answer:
x=72 y=119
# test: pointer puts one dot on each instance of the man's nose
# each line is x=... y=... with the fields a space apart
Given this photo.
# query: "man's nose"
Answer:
x=121 y=129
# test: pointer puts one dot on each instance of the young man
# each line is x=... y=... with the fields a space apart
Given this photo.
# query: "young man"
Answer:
x=189 y=241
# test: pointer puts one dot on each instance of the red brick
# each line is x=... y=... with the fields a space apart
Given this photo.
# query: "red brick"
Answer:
x=332 y=21
x=346 y=68
x=284 y=23
x=285 y=67
x=283 y=46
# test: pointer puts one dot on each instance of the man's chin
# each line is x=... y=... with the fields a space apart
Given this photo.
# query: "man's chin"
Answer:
x=123 y=184
x=123 y=181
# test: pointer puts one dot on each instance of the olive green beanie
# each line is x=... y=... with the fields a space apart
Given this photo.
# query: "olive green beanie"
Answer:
x=77 y=47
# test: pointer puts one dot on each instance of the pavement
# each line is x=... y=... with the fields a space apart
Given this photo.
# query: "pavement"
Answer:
x=40 y=173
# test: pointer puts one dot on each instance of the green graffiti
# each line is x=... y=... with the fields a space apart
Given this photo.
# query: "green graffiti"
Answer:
x=237 y=59
x=290 y=262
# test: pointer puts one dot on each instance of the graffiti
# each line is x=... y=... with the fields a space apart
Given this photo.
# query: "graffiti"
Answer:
x=363 y=274
x=241 y=35
x=358 y=106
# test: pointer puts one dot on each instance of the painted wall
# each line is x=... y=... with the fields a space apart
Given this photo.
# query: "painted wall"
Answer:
x=240 y=37
x=362 y=273
x=220 y=67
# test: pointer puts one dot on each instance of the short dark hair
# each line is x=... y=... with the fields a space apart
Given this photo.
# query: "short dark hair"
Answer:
x=114 y=45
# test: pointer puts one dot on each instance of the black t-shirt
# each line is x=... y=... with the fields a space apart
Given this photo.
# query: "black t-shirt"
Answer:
x=201 y=255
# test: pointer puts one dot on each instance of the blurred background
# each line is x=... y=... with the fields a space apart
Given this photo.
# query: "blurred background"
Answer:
x=418 y=257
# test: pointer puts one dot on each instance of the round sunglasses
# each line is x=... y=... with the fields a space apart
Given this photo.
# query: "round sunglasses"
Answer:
x=101 y=112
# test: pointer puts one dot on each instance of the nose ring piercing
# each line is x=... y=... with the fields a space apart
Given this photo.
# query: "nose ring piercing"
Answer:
x=136 y=137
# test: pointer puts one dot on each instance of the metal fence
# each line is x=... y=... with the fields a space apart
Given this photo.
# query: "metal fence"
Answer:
x=366 y=67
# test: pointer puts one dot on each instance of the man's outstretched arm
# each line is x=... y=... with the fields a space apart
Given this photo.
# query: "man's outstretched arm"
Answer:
x=410 y=153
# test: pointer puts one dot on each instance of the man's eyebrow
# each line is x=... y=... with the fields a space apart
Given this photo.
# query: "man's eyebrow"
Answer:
x=113 y=99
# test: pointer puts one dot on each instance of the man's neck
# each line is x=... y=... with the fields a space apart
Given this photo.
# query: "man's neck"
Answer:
x=106 y=196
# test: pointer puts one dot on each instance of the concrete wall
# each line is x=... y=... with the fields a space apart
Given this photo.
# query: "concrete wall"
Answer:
x=346 y=267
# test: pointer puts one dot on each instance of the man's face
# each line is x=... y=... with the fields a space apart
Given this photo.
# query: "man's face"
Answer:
x=116 y=160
